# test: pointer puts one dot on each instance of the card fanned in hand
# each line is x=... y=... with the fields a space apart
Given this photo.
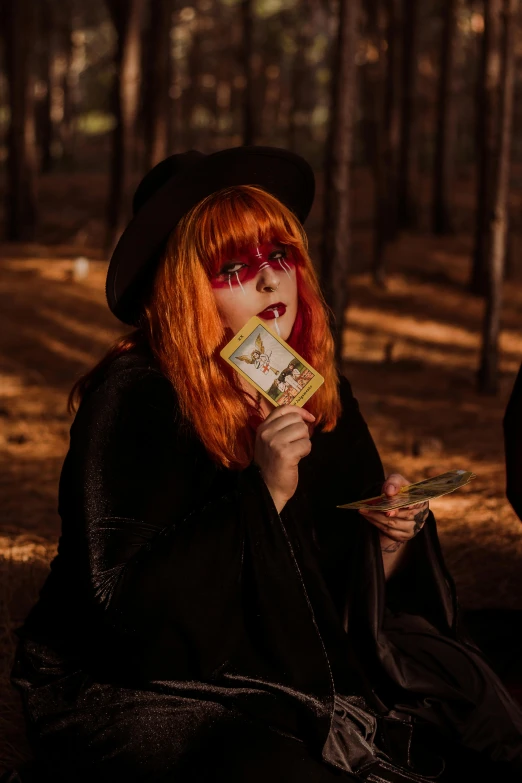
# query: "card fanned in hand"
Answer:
x=429 y=489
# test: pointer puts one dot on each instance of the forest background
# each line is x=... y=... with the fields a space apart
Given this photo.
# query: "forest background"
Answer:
x=409 y=112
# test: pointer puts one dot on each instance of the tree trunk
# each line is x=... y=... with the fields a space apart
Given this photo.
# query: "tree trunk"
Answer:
x=498 y=222
x=336 y=236
x=445 y=134
x=157 y=86
x=249 y=114
x=392 y=118
x=65 y=128
x=191 y=92
x=225 y=72
x=44 y=113
x=127 y=17
x=488 y=131
x=21 y=141
x=298 y=81
x=408 y=175
x=305 y=21
x=378 y=138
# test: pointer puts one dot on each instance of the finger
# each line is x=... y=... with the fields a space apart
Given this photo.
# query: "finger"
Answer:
x=285 y=431
x=397 y=512
x=393 y=484
x=281 y=438
x=402 y=527
x=412 y=526
x=406 y=515
x=284 y=410
x=269 y=427
x=415 y=507
x=415 y=513
x=385 y=517
x=376 y=516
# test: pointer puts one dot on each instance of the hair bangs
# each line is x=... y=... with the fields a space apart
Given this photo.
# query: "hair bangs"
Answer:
x=238 y=217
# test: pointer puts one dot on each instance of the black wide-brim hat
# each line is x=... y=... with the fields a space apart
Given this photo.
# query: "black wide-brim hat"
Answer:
x=177 y=184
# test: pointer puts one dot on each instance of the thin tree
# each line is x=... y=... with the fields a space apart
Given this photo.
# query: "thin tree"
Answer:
x=336 y=227
x=65 y=53
x=393 y=117
x=127 y=17
x=44 y=123
x=384 y=17
x=248 y=109
x=498 y=221
x=156 y=86
x=299 y=81
x=406 y=198
x=445 y=132
x=487 y=137
x=191 y=92
x=19 y=34
x=379 y=139
x=225 y=71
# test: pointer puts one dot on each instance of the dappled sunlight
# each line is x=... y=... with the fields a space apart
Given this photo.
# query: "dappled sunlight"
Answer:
x=55 y=278
x=93 y=331
x=21 y=549
x=406 y=326
x=10 y=385
x=408 y=323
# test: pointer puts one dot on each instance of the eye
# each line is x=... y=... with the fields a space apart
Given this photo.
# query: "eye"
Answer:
x=229 y=270
x=277 y=255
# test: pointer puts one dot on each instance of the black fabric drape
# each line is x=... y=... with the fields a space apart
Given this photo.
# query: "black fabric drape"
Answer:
x=184 y=619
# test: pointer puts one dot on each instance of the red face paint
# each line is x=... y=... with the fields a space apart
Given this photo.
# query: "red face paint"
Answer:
x=248 y=264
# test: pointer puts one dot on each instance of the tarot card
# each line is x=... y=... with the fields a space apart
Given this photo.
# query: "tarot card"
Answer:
x=271 y=365
x=417 y=493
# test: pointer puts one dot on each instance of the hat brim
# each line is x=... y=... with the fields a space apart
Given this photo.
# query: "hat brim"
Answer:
x=284 y=174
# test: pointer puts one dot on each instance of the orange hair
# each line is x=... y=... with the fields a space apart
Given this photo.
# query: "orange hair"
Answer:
x=185 y=332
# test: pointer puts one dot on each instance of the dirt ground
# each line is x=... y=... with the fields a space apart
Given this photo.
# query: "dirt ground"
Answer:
x=411 y=352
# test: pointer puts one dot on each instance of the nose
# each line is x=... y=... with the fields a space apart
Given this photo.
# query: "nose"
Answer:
x=267 y=279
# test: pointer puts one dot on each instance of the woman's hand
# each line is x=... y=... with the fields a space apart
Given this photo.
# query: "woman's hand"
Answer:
x=400 y=525
x=282 y=440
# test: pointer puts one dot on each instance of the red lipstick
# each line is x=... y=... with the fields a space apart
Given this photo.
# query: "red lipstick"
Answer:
x=273 y=311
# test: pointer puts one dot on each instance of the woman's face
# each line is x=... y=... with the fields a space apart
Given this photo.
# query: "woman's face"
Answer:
x=260 y=281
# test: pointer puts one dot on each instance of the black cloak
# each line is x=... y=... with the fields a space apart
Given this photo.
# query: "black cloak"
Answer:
x=513 y=446
x=187 y=631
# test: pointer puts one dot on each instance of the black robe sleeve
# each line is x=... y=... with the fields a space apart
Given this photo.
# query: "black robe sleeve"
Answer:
x=513 y=446
x=152 y=506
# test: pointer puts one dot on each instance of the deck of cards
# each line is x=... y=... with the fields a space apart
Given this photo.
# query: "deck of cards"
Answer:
x=271 y=365
x=428 y=489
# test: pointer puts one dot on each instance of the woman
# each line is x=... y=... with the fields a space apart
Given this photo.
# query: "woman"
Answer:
x=211 y=615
